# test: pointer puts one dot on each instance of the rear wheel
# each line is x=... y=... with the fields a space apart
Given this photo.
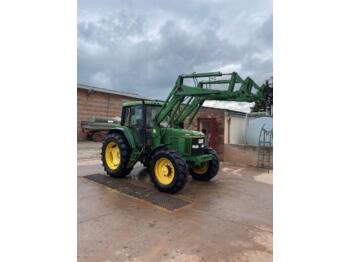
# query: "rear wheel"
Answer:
x=97 y=137
x=168 y=171
x=207 y=170
x=115 y=156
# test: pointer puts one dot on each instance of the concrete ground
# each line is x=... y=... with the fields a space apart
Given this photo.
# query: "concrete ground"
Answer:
x=229 y=218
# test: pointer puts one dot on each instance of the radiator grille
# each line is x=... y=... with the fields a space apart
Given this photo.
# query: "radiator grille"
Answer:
x=198 y=150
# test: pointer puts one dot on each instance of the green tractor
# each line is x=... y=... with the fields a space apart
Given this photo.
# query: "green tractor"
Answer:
x=153 y=133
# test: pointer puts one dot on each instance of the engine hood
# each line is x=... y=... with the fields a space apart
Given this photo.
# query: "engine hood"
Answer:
x=182 y=132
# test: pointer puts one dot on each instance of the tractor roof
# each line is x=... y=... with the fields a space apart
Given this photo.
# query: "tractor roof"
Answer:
x=147 y=102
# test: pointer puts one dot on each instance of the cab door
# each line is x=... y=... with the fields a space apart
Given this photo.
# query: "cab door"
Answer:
x=134 y=119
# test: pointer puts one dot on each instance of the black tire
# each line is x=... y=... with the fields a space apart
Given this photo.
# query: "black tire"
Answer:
x=97 y=137
x=121 y=170
x=213 y=167
x=180 y=171
x=89 y=136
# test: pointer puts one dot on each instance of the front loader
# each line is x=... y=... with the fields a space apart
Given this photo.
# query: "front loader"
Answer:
x=153 y=133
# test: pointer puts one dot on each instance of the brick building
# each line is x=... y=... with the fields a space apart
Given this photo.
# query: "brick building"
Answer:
x=100 y=102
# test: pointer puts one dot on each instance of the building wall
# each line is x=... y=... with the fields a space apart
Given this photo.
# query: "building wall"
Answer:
x=242 y=155
x=241 y=128
x=98 y=104
x=240 y=131
x=235 y=125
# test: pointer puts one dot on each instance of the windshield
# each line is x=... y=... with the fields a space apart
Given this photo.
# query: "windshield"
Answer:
x=151 y=112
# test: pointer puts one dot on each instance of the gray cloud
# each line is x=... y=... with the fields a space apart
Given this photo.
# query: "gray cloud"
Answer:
x=141 y=46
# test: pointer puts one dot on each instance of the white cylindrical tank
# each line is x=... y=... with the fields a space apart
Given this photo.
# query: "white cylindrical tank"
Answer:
x=253 y=128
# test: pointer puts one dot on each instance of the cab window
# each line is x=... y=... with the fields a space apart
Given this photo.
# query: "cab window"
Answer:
x=151 y=112
x=136 y=117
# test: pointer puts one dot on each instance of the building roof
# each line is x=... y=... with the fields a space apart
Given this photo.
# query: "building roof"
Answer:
x=239 y=107
x=110 y=91
x=147 y=102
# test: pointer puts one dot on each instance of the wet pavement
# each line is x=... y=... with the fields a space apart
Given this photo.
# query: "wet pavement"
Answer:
x=227 y=219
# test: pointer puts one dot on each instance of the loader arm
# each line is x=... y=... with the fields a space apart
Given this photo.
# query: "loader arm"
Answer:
x=185 y=101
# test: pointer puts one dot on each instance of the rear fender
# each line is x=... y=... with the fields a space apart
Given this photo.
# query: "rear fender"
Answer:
x=126 y=132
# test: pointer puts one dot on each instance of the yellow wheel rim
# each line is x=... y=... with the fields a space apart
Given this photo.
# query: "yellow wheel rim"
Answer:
x=112 y=155
x=164 y=171
x=202 y=169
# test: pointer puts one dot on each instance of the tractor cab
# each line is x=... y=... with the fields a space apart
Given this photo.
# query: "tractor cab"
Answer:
x=139 y=118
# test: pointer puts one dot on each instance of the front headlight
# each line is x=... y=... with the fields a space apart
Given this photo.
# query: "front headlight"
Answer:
x=195 y=146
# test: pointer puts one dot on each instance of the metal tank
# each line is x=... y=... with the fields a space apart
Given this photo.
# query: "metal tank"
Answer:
x=253 y=128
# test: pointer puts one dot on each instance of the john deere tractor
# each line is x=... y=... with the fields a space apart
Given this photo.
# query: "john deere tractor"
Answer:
x=153 y=133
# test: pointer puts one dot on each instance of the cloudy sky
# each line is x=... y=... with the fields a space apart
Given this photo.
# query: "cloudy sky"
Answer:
x=141 y=46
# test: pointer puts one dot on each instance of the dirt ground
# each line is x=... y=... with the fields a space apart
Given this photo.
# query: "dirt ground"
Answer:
x=228 y=218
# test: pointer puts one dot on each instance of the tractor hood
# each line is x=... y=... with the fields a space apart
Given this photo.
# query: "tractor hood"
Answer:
x=185 y=133
x=188 y=143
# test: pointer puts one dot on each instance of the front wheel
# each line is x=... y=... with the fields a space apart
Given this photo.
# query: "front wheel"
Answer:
x=168 y=171
x=207 y=170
